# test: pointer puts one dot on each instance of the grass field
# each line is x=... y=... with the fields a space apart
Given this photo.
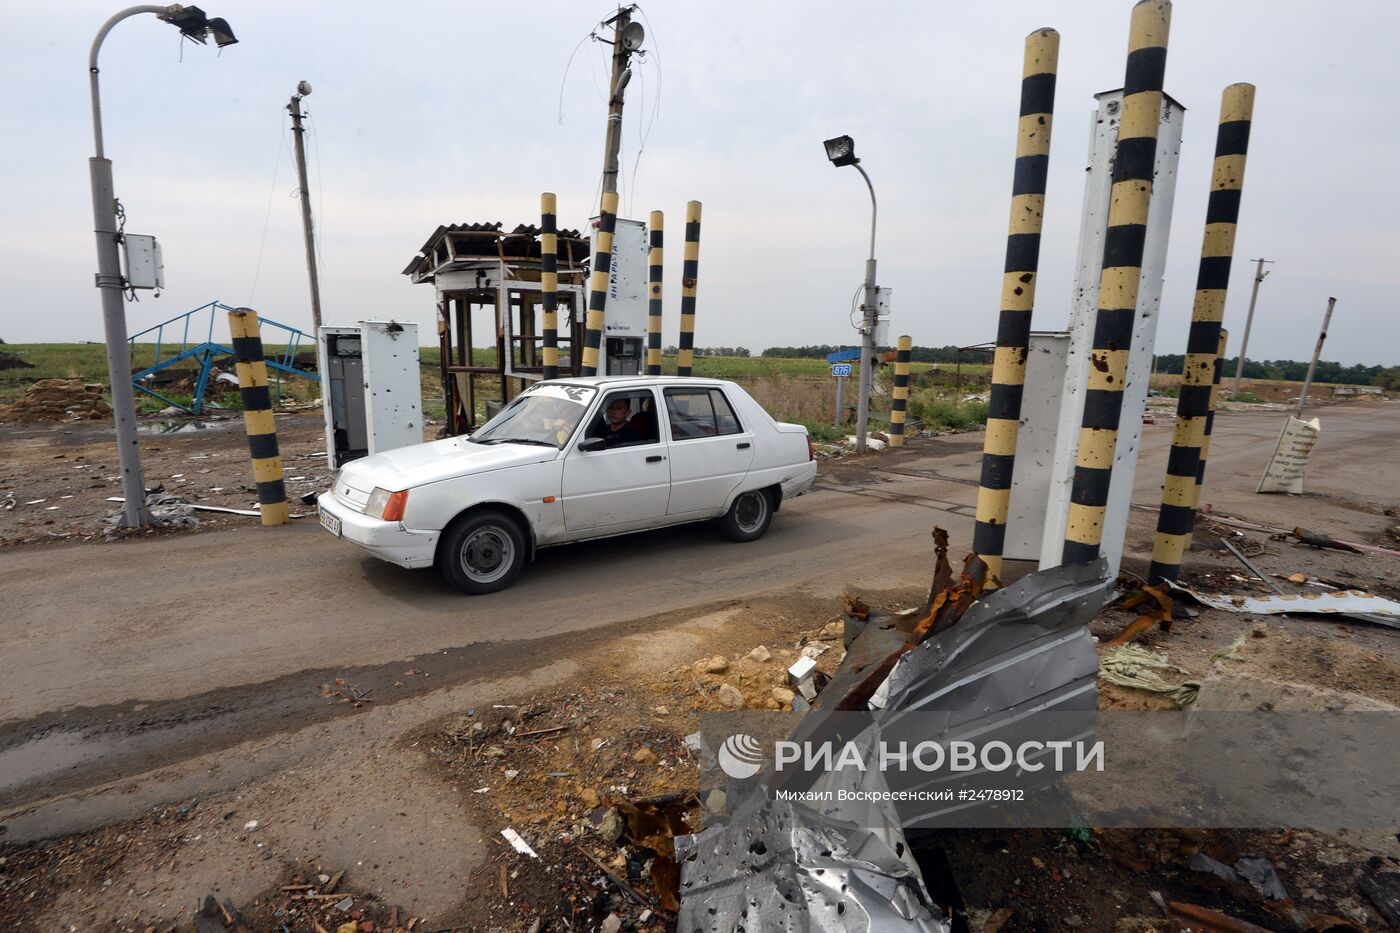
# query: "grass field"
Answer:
x=800 y=390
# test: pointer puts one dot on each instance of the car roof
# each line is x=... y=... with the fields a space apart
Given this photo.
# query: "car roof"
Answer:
x=613 y=382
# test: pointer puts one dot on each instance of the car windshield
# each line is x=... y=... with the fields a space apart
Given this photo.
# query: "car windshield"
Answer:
x=546 y=415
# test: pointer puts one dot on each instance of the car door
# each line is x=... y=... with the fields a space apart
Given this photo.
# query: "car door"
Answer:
x=627 y=482
x=710 y=449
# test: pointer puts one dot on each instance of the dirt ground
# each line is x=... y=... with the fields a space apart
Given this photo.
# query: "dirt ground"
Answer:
x=592 y=771
x=55 y=479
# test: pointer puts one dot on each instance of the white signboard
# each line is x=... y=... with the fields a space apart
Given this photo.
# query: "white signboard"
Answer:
x=1289 y=463
x=626 y=311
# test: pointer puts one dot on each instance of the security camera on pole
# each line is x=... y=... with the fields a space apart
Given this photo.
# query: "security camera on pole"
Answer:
x=841 y=151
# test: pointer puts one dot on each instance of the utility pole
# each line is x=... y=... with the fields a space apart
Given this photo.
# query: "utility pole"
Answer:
x=304 y=193
x=1317 y=352
x=625 y=42
x=1259 y=275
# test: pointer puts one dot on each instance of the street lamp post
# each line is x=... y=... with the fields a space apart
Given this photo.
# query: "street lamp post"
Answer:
x=841 y=151
x=192 y=23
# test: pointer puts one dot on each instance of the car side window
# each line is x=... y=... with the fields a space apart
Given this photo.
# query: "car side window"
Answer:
x=700 y=413
x=627 y=419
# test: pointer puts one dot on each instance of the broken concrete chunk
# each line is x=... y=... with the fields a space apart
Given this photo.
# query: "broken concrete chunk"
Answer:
x=730 y=696
x=761 y=654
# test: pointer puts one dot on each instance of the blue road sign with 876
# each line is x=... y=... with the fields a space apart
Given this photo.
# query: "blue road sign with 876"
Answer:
x=840 y=369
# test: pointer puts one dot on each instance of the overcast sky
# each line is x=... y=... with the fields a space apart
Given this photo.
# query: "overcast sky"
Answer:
x=430 y=113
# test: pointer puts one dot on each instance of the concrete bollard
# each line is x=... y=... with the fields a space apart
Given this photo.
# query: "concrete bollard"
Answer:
x=655 y=268
x=1017 y=296
x=690 y=273
x=549 y=286
x=1131 y=196
x=598 y=283
x=257 y=415
x=899 y=402
x=1200 y=375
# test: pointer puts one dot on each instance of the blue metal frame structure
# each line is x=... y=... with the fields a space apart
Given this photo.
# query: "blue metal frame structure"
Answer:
x=284 y=362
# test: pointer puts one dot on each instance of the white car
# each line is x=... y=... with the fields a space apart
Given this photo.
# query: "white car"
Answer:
x=569 y=460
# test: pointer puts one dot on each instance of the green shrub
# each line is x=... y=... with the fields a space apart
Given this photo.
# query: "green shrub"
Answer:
x=945 y=414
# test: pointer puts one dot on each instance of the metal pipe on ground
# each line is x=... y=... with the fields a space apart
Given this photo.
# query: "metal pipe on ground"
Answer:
x=549 y=285
x=1201 y=370
x=899 y=402
x=598 y=283
x=655 y=268
x=253 y=391
x=690 y=274
x=1017 y=296
x=1118 y=280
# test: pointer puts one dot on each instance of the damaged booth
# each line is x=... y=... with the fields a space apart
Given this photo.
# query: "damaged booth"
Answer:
x=489 y=312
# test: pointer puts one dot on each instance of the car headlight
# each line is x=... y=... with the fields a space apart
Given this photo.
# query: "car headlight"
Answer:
x=387 y=505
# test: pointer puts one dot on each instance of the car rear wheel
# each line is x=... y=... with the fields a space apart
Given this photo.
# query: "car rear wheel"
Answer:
x=482 y=553
x=749 y=516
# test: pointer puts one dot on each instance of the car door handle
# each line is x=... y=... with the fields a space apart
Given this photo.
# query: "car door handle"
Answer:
x=742 y=445
x=655 y=458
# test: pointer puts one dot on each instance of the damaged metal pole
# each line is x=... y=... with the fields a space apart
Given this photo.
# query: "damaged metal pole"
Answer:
x=243 y=326
x=1317 y=352
x=549 y=285
x=598 y=283
x=899 y=403
x=1201 y=370
x=1017 y=296
x=655 y=268
x=1131 y=198
x=690 y=274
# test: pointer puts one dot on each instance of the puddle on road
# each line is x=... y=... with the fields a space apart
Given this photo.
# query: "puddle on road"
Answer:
x=47 y=756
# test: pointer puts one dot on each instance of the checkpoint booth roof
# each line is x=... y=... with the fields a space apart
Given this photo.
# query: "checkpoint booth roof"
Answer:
x=490 y=307
x=488 y=300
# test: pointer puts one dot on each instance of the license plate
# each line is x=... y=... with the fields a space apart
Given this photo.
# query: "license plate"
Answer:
x=329 y=522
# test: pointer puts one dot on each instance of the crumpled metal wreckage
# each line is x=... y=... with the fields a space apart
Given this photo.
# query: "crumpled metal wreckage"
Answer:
x=778 y=865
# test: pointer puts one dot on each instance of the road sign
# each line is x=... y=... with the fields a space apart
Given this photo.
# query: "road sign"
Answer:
x=843 y=355
x=840 y=370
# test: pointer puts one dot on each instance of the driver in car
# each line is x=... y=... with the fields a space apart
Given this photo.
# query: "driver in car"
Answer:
x=617 y=425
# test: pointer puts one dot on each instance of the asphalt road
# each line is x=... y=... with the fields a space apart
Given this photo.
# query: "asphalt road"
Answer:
x=118 y=657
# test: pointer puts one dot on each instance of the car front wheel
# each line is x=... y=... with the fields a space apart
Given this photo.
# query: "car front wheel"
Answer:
x=482 y=553
x=750 y=515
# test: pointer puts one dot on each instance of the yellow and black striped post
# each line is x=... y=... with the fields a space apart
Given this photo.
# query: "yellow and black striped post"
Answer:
x=899 y=402
x=1130 y=198
x=598 y=283
x=1017 y=296
x=656 y=235
x=1200 y=373
x=248 y=360
x=1210 y=419
x=549 y=285
x=690 y=274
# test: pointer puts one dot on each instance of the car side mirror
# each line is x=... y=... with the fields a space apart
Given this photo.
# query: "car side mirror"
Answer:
x=589 y=444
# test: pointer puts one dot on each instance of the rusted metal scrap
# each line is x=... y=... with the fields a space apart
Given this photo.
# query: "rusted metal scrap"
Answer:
x=1313 y=539
x=943 y=609
x=1160 y=613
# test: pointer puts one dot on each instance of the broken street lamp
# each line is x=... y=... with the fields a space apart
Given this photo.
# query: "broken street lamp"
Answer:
x=841 y=151
x=193 y=24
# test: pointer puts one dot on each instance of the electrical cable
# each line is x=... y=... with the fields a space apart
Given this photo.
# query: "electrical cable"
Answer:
x=267 y=215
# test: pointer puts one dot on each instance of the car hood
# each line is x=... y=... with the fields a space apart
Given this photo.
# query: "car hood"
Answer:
x=419 y=464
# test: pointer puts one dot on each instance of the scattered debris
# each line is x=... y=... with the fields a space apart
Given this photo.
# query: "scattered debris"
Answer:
x=518 y=843
x=1140 y=669
x=1353 y=604
x=1313 y=539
